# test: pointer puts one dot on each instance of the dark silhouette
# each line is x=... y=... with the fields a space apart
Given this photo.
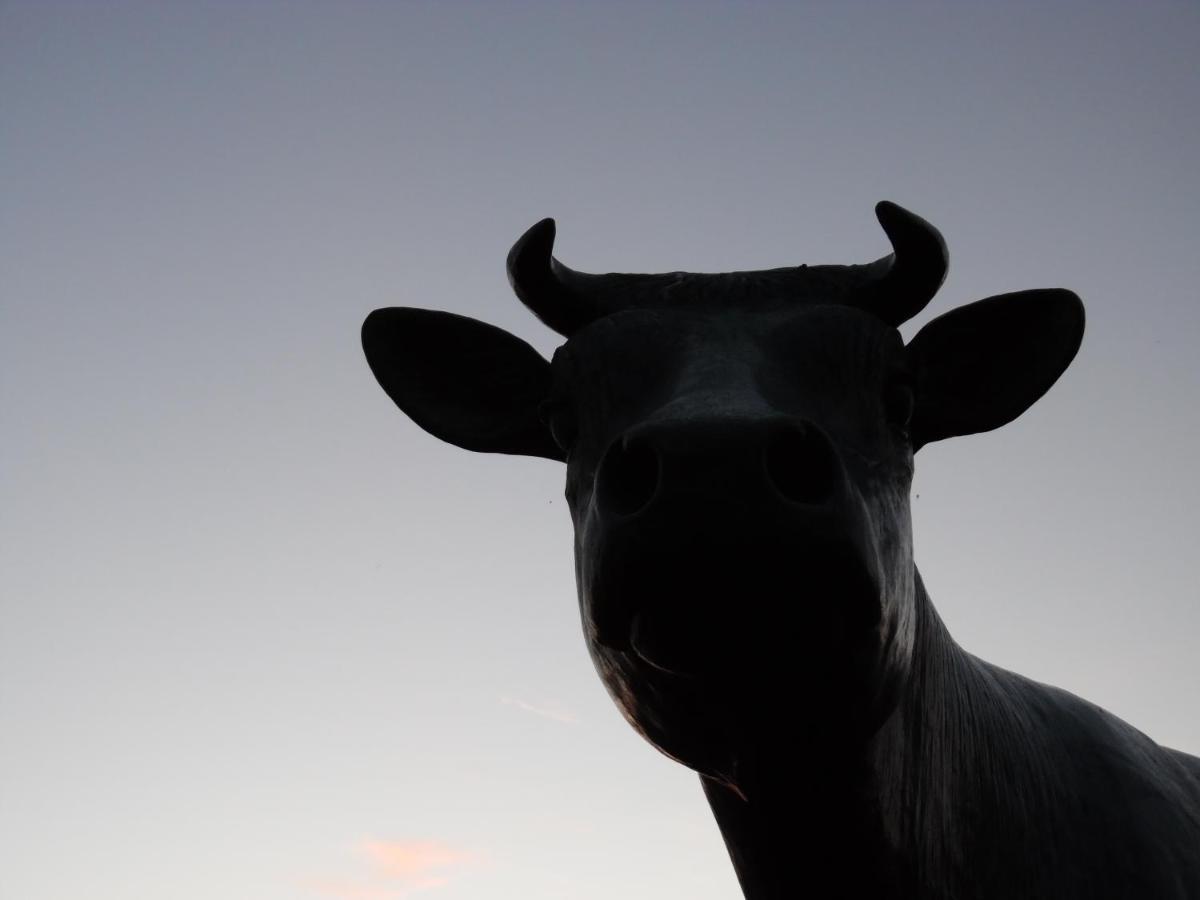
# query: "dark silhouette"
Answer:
x=739 y=452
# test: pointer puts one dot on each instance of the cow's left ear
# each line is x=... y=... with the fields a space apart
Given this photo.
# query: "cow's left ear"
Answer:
x=980 y=366
x=464 y=381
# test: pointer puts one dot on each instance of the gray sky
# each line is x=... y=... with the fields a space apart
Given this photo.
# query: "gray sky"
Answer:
x=262 y=638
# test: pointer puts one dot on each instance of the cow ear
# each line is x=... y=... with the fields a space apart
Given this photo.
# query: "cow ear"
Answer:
x=980 y=366
x=462 y=380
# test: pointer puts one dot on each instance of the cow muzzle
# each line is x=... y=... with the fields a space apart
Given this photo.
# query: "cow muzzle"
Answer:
x=730 y=549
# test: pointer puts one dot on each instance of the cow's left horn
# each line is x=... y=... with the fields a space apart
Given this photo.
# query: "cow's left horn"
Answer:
x=905 y=280
x=567 y=300
x=546 y=286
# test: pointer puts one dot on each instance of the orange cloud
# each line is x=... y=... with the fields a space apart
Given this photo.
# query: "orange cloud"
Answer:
x=397 y=870
x=413 y=861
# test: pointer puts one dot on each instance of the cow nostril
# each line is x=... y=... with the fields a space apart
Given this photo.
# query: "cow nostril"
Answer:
x=628 y=477
x=800 y=464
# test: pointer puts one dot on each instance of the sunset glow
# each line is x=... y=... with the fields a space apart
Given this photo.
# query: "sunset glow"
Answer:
x=413 y=861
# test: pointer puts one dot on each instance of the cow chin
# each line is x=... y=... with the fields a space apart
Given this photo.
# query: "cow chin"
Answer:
x=720 y=643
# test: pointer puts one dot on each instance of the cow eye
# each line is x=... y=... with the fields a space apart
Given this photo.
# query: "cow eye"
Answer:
x=898 y=403
x=559 y=417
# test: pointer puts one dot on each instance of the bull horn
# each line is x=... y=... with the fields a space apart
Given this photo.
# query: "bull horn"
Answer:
x=550 y=290
x=566 y=300
x=894 y=288
x=899 y=285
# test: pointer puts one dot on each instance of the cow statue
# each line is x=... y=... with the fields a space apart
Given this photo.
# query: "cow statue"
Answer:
x=739 y=452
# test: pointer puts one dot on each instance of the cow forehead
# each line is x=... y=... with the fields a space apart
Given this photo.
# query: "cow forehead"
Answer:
x=812 y=342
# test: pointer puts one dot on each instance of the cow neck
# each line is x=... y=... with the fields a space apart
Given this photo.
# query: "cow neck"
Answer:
x=842 y=824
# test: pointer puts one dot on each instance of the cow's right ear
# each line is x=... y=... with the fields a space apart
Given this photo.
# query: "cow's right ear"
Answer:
x=462 y=380
x=980 y=366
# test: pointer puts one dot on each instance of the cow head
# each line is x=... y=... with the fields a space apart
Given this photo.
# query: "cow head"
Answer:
x=739 y=453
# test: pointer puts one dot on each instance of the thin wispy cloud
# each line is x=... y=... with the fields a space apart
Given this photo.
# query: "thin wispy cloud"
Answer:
x=546 y=709
x=397 y=870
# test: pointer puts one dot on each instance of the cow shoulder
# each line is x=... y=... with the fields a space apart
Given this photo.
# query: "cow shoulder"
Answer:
x=1128 y=809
